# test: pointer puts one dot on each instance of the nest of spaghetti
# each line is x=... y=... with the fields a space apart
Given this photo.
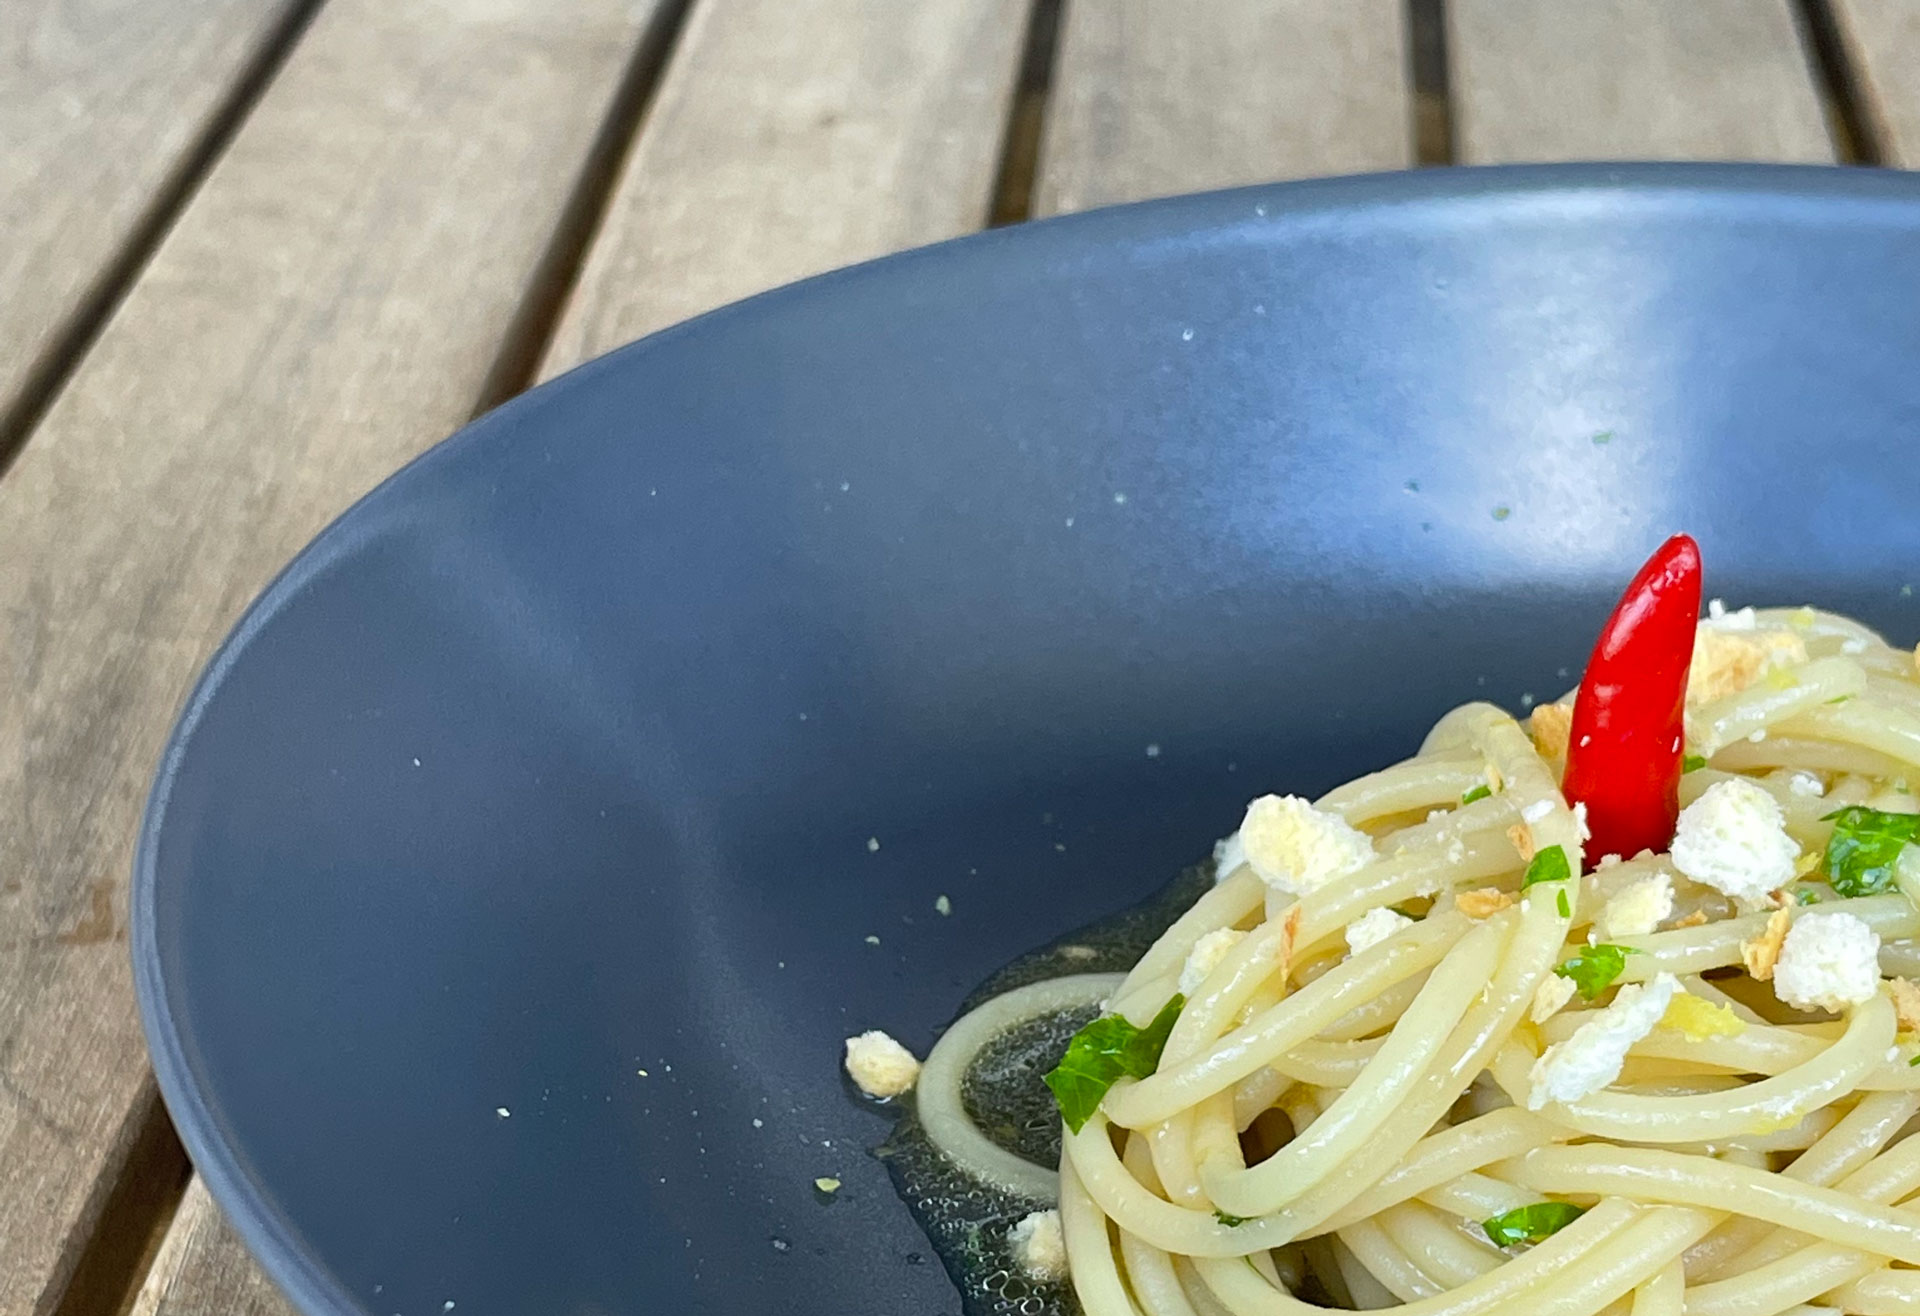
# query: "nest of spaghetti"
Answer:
x=1418 y=1045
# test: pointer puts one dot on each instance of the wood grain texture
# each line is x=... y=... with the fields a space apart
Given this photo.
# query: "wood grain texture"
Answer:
x=102 y=105
x=1151 y=98
x=791 y=137
x=203 y=1270
x=1881 y=39
x=326 y=307
x=1632 y=79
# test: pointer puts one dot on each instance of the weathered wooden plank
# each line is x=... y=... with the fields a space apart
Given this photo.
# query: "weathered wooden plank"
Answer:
x=202 y=1269
x=1881 y=41
x=328 y=305
x=1632 y=79
x=791 y=137
x=1151 y=98
x=103 y=105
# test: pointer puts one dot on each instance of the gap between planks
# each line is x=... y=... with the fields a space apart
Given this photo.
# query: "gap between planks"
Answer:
x=1429 y=82
x=1856 y=139
x=64 y=351
x=528 y=335
x=1027 y=117
x=132 y=1221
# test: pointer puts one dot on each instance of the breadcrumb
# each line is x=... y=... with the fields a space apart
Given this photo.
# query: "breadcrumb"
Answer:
x=880 y=1066
x=1593 y=1057
x=1763 y=952
x=1297 y=848
x=1638 y=907
x=1829 y=961
x=1205 y=957
x=1906 y=1004
x=1483 y=903
x=1730 y=653
x=1551 y=726
x=1693 y=920
x=1522 y=837
x=1039 y=1245
x=1733 y=839
x=1550 y=997
x=1374 y=927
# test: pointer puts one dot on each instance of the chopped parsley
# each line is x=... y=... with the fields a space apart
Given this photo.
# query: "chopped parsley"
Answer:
x=1230 y=1221
x=1913 y=1062
x=1806 y=895
x=1550 y=865
x=1863 y=847
x=1693 y=762
x=1566 y=909
x=1595 y=967
x=1477 y=793
x=1105 y=1051
x=1531 y=1224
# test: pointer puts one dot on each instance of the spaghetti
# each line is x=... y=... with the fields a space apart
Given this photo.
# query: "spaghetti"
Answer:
x=1683 y=1081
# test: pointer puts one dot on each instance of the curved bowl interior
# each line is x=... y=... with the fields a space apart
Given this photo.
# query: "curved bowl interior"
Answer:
x=1029 y=559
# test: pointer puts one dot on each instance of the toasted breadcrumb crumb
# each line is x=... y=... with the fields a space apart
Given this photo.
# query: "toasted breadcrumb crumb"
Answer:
x=1763 y=952
x=1551 y=725
x=1483 y=903
x=1906 y=1004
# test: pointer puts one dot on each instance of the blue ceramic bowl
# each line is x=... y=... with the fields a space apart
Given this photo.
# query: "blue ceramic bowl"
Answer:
x=518 y=866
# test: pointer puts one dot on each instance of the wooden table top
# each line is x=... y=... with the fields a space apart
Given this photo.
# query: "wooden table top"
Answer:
x=260 y=252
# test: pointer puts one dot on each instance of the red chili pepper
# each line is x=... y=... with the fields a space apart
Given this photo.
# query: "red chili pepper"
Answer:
x=1624 y=750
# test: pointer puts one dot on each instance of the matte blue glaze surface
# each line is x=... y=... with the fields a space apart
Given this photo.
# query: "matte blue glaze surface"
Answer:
x=1031 y=557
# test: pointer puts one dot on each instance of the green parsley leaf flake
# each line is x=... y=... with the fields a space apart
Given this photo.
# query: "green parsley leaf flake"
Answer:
x=1550 y=865
x=1566 y=910
x=1531 y=1224
x=1477 y=793
x=1693 y=762
x=1806 y=895
x=1913 y=1062
x=1864 y=844
x=1595 y=967
x=1230 y=1221
x=1105 y=1051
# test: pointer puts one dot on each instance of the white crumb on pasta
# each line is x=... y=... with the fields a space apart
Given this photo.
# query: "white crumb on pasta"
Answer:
x=1205 y=957
x=1374 y=927
x=1297 y=848
x=1593 y=1057
x=1550 y=997
x=1734 y=839
x=1829 y=961
x=1638 y=907
x=1229 y=854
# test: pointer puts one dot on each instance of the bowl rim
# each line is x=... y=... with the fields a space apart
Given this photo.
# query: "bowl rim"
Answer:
x=222 y=1164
